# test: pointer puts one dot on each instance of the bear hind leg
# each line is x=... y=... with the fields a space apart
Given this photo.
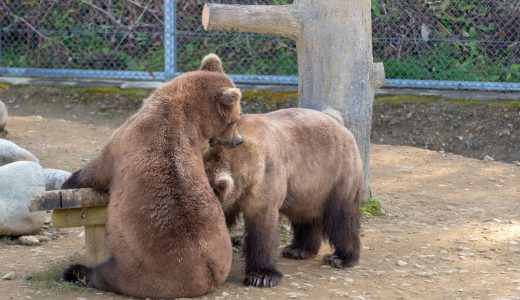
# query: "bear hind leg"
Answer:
x=341 y=222
x=90 y=277
x=306 y=240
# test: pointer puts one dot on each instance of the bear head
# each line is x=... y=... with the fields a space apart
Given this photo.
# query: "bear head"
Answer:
x=219 y=128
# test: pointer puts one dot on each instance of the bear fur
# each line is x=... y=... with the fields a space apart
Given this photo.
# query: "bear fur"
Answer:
x=165 y=228
x=300 y=163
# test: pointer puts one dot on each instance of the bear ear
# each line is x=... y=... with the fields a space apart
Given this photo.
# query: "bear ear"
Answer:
x=229 y=96
x=212 y=63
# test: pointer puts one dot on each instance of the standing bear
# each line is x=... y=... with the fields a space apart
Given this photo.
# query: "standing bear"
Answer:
x=298 y=162
x=165 y=227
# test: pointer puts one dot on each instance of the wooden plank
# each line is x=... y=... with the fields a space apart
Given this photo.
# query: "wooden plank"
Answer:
x=62 y=199
x=97 y=251
x=46 y=201
x=82 y=198
x=75 y=217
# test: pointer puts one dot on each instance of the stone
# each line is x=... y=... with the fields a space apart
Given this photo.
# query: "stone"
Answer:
x=9 y=276
x=295 y=295
x=43 y=238
x=401 y=263
x=488 y=158
x=19 y=182
x=29 y=240
x=54 y=178
x=10 y=152
x=3 y=116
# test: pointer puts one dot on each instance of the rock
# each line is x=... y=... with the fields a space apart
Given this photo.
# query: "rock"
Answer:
x=29 y=240
x=9 y=276
x=54 y=178
x=401 y=263
x=10 y=152
x=294 y=295
x=3 y=116
x=19 y=182
x=516 y=163
x=43 y=238
x=488 y=158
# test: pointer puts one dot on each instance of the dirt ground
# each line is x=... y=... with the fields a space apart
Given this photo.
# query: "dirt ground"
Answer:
x=451 y=228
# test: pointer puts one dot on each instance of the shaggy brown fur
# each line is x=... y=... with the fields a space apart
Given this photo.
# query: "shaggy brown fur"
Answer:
x=165 y=228
x=298 y=162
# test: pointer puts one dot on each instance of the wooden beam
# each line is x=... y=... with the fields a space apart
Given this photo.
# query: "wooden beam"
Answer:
x=74 y=217
x=282 y=20
x=96 y=248
x=63 y=199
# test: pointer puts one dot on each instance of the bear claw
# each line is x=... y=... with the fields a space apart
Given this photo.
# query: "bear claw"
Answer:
x=337 y=262
x=295 y=253
x=263 y=279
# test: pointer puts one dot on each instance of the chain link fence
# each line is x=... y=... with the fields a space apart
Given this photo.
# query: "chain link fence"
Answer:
x=445 y=40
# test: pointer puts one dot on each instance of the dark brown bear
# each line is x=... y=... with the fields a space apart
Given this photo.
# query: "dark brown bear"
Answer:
x=298 y=162
x=165 y=228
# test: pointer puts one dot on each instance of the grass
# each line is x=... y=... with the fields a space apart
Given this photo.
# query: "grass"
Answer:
x=49 y=279
x=404 y=99
x=110 y=91
x=372 y=206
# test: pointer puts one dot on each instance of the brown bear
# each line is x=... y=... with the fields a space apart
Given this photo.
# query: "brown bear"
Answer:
x=298 y=162
x=165 y=228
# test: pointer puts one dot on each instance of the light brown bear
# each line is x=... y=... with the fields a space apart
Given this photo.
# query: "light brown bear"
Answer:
x=298 y=162
x=165 y=228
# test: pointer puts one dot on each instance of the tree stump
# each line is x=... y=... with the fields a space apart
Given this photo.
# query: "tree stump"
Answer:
x=336 y=73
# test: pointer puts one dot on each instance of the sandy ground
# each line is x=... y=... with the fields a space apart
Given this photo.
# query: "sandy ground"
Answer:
x=451 y=228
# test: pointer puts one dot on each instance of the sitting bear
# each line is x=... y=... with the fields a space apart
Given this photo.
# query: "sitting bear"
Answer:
x=298 y=162
x=165 y=227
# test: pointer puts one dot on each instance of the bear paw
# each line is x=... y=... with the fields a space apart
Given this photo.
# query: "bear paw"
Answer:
x=336 y=261
x=76 y=274
x=267 y=278
x=296 y=253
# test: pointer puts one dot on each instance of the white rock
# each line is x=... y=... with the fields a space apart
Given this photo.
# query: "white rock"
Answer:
x=10 y=152
x=294 y=295
x=9 y=276
x=3 y=116
x=54 y=178
x=43 y=238
x=29 y=240
x=19 y=182
x=488 y=158
x=401 y=263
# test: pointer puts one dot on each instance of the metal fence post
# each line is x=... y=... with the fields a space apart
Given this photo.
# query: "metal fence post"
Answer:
x=170 y=43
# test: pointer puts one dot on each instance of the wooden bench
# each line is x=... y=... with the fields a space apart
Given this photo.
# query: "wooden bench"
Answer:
x=78 y=207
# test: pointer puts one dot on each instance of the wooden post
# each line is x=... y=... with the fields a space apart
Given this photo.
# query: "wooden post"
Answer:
x=334 y=47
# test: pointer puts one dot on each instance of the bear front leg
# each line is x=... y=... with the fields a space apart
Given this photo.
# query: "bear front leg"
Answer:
x=96 y=174
x=261 y=244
